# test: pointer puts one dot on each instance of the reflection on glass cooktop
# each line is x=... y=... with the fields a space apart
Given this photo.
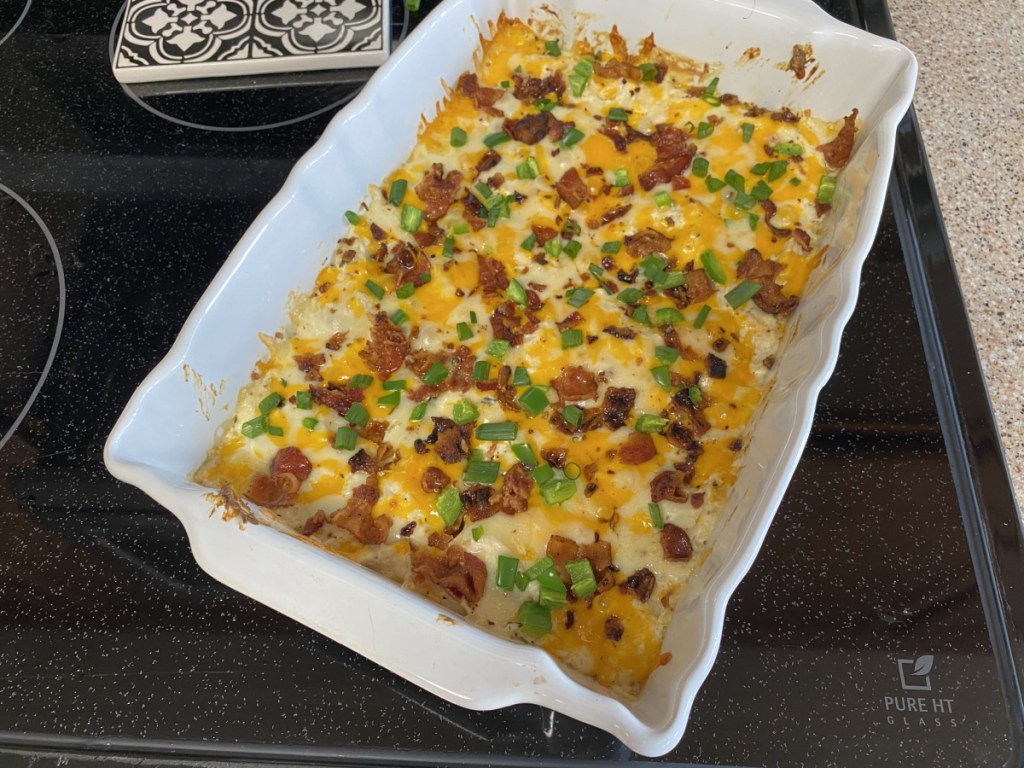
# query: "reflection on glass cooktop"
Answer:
x=858 y=638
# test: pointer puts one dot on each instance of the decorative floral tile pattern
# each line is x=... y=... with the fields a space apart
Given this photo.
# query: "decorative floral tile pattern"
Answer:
x=177 y=39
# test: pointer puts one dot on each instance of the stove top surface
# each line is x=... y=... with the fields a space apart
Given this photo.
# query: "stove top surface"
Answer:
x=860 y=636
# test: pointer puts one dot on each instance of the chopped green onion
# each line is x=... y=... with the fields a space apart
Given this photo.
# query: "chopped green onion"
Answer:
x=712 y=267
x=694 y=394
x=826 y=189
x=748 y=132
x=665 y=280
x=552 y=590
x=572 y=248
x=704 y=130
x=521 y=377
x=461 y=228
x=397 y=192
x=572 y=337
x=654 y=510
x=577 y=84
x=553 y=48
x=516 y=292
x=472 y=317
x=584 y=68
x=663 y=199
x=663 y=376
x=398 y=317
x=360 y=381
x=541 y=566
x=790 y=148
x=777 y=170
x=700 y=167
x=505 y=576
x=611 y=247
x=752 y=219
x=667 y=355
x=529 y=242
x=533 y=401
x=357 y=414
x=761 y=191
x=760 y=169
x=255 y=427
x=573 y=414
x=668 y=316
x=735 y=180
x=405 y=290
x=497 y=430
x=304 y=400
x=579 y=296
x=498 y=348
x=458 y=137
x=269 y=403
x=395 y=385
x=711 y=87
x=483 y=190
x=275 y=431
x=419 y=411
x=542 y=474
x=310 y=423
x=464 y=412
x=572 y=136
x=698 y=321
x=345 y=439
x=620 y=177
x=648 y=422
x=553 y=247
x=534 y=619
x=448 y=250
x=631 y=296
x=525 y=454
x=742 y=293
x=558 y=491
x=582 y=577
x=390 y=400
x=448 y=505
x=794 y=182
x=481 y=370
x=618 y=114
x=713 y=184
x=492 y=140
x=528 y=169
x=477 y=532
x=436 y=374
x=505 y=84
x=649 y=72
x=640 y=315
x=744 y=201
x=545 y=104
x=478 y=471
x=353 y=217
x=464 y=331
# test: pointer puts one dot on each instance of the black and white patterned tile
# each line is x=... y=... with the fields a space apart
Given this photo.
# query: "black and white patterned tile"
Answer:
x=179 y=39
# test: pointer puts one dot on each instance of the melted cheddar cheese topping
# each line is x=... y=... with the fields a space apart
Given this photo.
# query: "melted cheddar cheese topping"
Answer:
x=523 y=383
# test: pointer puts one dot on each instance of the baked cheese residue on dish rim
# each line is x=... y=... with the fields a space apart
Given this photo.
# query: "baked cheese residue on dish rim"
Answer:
x=523 y=384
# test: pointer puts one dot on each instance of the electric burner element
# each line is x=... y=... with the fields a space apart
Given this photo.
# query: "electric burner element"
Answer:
x=11 y=16
x=31 y=308
x=254 y=102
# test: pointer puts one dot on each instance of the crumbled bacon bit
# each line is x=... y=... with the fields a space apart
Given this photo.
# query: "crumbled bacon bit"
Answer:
x=310 y=365
x=357 y=517
x=336 y=341
x=572 y=189
x=314 y=523
x=669 y=486
x=387 y=349
x=575 y=384
x=837 y=152
x=675 y=543
x=438 y=191
x=638 y=448
x=770 y=298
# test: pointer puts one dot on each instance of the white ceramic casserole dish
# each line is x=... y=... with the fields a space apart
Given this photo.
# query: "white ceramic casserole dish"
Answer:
x=170 y=422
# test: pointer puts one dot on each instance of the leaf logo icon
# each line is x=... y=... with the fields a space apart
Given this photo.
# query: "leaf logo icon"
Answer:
x=924 y=665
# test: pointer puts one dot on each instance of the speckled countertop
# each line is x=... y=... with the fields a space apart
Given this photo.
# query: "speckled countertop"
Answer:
x=970 y=103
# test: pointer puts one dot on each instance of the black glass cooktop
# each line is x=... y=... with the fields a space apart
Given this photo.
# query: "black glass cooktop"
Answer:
x=880 y=624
